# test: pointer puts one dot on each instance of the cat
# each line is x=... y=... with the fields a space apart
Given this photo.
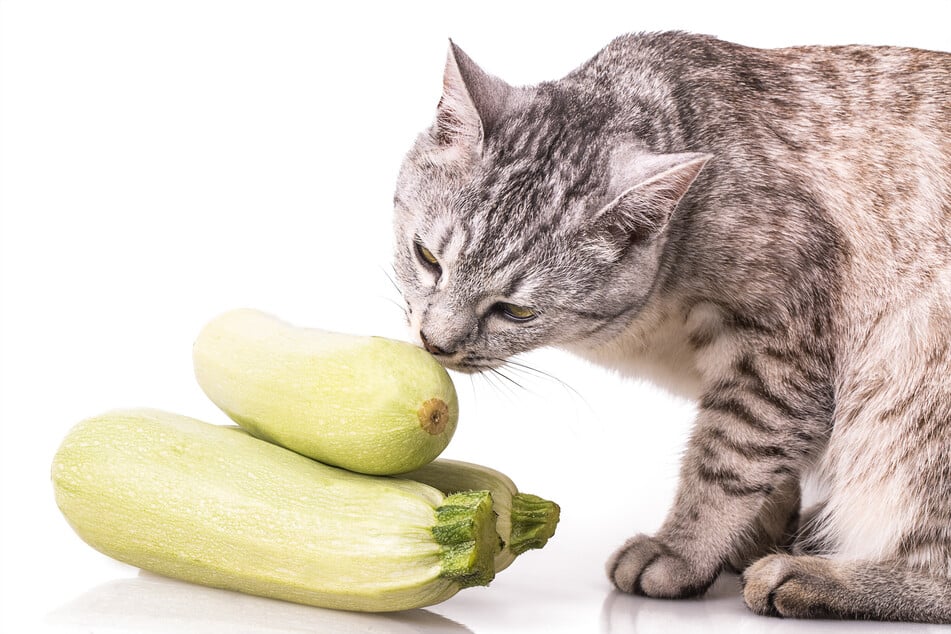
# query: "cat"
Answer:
x=766 y=231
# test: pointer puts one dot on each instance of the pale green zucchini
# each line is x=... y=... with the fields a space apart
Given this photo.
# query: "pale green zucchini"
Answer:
x=524 y=521
x=215 y=506
x=366 y=404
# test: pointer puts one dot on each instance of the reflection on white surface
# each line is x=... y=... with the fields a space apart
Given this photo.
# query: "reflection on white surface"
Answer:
x=625 y=613
x=150 y=603
x=722 y=610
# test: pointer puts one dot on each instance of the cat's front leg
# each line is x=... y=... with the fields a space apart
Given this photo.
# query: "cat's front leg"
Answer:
x=738 y=482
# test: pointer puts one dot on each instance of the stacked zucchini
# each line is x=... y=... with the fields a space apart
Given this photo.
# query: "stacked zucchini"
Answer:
x=327 y=493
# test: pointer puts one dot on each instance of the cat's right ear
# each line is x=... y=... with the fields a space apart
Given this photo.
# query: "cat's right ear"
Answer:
x=471 y=103
x=643 y=193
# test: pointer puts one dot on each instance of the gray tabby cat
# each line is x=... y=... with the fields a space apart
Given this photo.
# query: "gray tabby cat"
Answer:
x=766 y=230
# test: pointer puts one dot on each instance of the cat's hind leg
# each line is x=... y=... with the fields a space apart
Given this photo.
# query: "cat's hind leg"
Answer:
x=885 y=518
x=817 y=587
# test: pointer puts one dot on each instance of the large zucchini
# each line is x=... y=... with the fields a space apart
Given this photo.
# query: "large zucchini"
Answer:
x=216 y=506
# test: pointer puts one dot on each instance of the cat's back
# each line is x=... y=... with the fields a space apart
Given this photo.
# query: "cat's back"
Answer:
x=687 y=55
x=853 y=80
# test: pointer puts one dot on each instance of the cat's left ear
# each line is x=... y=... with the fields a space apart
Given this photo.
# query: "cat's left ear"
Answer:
x=645 y=193
x=471 y=103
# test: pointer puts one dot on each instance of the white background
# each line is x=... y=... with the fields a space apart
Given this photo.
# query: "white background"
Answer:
x=166 y=161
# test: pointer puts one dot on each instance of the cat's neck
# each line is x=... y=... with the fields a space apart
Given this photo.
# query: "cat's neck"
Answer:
x=660 y=345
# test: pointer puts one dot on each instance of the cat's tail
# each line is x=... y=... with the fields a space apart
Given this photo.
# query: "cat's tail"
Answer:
x=817 y=587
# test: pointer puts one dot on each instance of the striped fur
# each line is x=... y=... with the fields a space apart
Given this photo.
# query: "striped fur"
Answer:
x=768 y=232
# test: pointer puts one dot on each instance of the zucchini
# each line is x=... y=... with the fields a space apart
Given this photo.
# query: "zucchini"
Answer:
x=367 y=404
x=216 y=506
x=524 y=521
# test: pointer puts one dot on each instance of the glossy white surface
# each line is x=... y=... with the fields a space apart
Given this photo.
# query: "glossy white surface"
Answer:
x=161 y=162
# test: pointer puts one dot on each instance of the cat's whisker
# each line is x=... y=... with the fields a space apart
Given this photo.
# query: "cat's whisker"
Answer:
x=499 y=373
x=400 y=306
x=401 y=303
x=535 y=373
x=561 y=383
x=392 y=281
x=487 y=379
x=498 y=382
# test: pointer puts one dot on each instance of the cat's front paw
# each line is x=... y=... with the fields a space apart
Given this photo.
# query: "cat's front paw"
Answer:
x=790 y=586
x=648 y=566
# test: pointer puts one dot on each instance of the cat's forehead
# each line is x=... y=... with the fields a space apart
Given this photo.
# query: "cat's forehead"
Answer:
x=482 y=256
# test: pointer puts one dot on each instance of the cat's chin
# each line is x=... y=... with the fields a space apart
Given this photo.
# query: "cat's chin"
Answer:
x=465 y=369
x=469 y=366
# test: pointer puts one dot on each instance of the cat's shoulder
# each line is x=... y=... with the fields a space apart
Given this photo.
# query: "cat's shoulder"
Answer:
x=670 y=44
x=664 y=51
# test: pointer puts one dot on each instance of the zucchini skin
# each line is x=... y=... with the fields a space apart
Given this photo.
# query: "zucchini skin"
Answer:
x=367 y=404
x=215 y=506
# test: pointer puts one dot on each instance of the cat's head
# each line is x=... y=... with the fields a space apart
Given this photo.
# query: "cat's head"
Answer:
x=528 y=217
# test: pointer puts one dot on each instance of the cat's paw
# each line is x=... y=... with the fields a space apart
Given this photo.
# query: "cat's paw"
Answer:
x=647 y=566
x=789 y=586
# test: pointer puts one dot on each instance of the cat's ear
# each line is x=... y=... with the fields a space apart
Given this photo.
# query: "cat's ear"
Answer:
x=471 y=103
x=644 y=193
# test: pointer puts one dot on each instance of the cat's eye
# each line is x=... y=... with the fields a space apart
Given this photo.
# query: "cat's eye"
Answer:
x=515 y=312
x=426 y=257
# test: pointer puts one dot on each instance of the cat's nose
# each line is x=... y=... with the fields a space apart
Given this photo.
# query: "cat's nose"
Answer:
x=430 y=348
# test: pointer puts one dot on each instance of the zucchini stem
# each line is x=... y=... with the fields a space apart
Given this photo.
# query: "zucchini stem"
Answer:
x=465 y=528
x=533 y=522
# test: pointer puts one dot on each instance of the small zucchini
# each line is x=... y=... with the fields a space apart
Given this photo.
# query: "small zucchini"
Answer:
x=367 y=404
x=524 y=521
x=216 y=506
